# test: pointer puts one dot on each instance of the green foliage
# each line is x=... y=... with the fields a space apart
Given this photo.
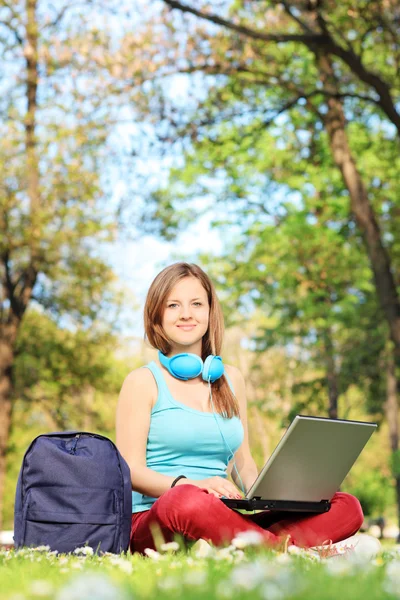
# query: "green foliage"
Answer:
x=56 y=369
x=375 y=492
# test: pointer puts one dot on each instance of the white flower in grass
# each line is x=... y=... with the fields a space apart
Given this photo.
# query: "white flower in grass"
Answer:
x=90 y=585
x=295 y=550
x=169 y=547
x=152 y=553
x=238 y=555
x=169 y=583
x=174 y=564
x=391 y=582
x=225 y=553
x=84 y=551
x=339 y=566
x=248 y=576
x=202 y=549
x=247 y=538
x=395 y=550
x=274 y=580
x=126 y=567
x=195 y=578
x=41 y=588
x=271 y=591
x=283 y=559
x=307 y=553
x=122 y=563
x=41 y=549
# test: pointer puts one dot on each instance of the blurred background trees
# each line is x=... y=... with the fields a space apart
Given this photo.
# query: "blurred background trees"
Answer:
x=276 y=121
x=54 y=121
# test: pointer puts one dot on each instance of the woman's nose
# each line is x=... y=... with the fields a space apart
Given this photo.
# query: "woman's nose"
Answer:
x=185 y=312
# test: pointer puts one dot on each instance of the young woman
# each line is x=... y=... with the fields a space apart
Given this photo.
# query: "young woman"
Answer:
x=180 y=420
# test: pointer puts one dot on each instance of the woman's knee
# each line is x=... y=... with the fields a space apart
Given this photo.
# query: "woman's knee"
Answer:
x=351 y=507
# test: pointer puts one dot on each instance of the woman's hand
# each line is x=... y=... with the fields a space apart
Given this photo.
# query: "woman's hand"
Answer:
x=218 y=486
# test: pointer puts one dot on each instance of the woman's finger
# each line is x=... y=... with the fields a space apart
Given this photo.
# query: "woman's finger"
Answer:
x=231 y=491
x=221 y=491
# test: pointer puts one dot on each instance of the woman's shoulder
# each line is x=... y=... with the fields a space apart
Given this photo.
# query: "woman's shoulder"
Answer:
x=139 y=375
x=141 y=380
x=235 y=375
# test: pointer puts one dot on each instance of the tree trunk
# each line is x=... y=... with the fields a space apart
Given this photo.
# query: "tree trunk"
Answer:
x=24 y=282
x=392 y=417
x=331 y=377
x=361 y=207
x=7 y=341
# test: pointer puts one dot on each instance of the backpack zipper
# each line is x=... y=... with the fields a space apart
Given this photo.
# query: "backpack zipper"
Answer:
x=73 y=448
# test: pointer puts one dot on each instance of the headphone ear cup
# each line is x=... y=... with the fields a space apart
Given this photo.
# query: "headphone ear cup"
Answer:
x=213 y=368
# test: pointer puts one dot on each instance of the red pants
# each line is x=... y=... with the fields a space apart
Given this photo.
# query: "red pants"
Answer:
x=194 y=513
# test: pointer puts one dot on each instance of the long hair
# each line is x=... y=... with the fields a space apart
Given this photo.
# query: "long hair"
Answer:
x=224 y=400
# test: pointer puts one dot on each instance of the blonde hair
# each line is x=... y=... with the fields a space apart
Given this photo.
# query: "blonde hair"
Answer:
x=224 y=400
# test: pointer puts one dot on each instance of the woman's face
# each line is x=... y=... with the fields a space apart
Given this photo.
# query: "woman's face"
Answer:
x=185 y=317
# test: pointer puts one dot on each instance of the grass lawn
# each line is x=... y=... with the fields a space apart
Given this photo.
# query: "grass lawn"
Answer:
x=250 y=573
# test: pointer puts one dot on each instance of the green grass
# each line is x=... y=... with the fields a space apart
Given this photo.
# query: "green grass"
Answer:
x=251 y=575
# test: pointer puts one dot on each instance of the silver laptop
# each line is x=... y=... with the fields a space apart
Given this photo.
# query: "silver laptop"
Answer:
x=307 y=466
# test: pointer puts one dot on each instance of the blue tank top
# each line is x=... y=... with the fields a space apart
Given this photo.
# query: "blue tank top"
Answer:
x=186 y=441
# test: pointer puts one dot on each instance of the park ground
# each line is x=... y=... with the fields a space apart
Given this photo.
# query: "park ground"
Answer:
x=241 y=571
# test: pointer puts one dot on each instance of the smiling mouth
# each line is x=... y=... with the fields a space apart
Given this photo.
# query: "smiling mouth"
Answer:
x=186 y=326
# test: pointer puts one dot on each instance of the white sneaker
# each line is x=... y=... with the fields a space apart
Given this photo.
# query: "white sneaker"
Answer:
x=358 y=547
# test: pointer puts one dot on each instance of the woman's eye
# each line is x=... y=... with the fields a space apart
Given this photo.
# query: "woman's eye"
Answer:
x=174 y=304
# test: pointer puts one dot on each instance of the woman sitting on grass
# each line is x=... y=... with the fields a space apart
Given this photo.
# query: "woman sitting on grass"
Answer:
x=178 y=448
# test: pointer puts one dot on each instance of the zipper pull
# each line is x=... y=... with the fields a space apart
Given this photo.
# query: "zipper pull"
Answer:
x=73 y=449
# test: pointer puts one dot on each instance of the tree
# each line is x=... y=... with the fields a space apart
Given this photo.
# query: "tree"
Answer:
x=337 y=47
x=54 y=121
x=58 y=371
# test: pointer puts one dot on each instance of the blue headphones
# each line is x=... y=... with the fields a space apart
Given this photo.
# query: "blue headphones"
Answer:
x=188 y=366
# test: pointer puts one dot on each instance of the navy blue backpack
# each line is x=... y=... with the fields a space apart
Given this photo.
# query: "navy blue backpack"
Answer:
x=74 y=489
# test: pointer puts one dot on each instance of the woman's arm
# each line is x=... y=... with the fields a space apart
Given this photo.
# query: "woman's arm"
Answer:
x=244 y=461
x=132 y=428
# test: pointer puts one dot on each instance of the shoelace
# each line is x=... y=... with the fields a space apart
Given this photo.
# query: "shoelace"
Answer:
x=328 y=550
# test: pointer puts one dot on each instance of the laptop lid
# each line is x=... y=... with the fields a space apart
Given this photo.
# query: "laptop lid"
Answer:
x=312 y=459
